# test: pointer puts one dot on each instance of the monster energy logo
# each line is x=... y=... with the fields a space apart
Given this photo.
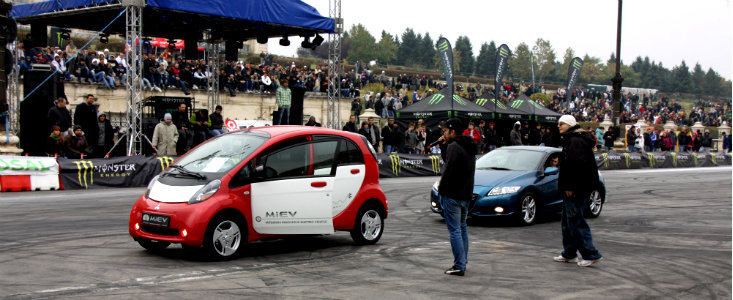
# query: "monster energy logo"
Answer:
x=436 y=99
x=396 y=166
x=443 y=46
x=503 y=52
x=481 y=101
x=651 y=159
x=536 y=105
x=165 y=162
x=605 y=160
x=577 y=64
x=674 y=159
x=83 y=166
x=435 y=164
x=499 y=104
x=517 y=103
x=713 y=159
x=459 y=100
x=694 y=158
x=627 y=158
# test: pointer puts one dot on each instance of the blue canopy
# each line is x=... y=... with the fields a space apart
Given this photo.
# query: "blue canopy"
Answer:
x=293 y=13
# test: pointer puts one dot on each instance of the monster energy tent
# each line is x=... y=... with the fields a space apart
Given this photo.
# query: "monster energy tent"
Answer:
x=175 y=19
x=437 y=108
x=499 y=110
x=536 y=112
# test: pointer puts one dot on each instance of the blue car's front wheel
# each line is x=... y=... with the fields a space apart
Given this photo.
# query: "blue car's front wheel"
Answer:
x=527 y=212
x=594 y=205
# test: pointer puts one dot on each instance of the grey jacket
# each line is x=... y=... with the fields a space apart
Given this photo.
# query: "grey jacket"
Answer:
x=165 y=138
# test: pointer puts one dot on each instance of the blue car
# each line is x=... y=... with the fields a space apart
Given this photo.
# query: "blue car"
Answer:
x=519 y=182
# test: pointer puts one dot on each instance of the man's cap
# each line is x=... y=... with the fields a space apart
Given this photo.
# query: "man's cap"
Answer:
x=77 y=127
x=568 y=119
x=455 y=124
x=518 y=123
x=167 y=116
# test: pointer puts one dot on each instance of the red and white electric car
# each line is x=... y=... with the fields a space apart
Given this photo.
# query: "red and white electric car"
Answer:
x=261 y=182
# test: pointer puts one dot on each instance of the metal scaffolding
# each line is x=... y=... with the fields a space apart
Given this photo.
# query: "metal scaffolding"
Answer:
x=213 y=58
x=133 y=35
x=13 y=92
x=334 y=66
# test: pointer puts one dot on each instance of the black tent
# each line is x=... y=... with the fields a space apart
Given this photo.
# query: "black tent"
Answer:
x=499 y=111
x=536 y=111
x=437 y=107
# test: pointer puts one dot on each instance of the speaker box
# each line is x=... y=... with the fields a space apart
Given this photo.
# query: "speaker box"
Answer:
x=34 y=125
x=296 y=105
x=39 y=34
x=231 y=50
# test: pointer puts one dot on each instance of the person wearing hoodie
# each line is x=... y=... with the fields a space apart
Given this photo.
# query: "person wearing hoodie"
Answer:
x=456 y=189
x=165 y=136
x=578 y=176
x=76 y=144
x=515 y=137
x=105 y=136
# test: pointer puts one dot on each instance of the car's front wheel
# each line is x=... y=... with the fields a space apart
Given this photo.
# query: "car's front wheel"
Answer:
x=595 y=204
x=527 y=209
x=151 y=245
x=224 y=236
x=368 y=225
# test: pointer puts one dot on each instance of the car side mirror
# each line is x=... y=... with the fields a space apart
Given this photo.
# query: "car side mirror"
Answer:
x=260 y=171
x=551 y=171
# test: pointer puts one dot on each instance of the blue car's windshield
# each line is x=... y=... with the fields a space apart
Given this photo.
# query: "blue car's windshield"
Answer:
x=508 y=159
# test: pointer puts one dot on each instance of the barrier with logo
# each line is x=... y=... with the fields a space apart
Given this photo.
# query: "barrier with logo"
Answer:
x=624 y=160
x=406 y=165
x=130 y=171
x=28 y=173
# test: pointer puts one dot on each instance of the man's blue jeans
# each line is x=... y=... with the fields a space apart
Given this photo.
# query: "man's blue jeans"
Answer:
x=280 y=112
x=98 y=76
x=388 y=149
x=576 y=234
x=455 y=213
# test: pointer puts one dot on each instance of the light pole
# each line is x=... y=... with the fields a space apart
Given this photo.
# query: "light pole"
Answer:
x=617 y=79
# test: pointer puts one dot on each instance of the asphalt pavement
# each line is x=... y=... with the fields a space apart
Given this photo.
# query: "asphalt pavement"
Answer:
x=663 y=233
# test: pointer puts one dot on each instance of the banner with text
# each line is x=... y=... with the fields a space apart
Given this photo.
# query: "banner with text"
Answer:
x=28 y=165
x=446 y=58
x=130 y=171
x=573 y=74
x=502 y=57
x=406 y=165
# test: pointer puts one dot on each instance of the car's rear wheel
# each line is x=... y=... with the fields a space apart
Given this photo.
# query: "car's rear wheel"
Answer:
x=224 y=236
x=152 y=245
x=368 y=225
x=527 y=209
x=595 y=204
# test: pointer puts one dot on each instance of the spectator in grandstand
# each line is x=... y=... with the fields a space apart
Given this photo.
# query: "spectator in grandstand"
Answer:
x=75 y=145
x=183 y=125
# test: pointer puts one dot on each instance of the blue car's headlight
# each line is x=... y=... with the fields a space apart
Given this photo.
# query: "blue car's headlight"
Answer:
x=501 y=190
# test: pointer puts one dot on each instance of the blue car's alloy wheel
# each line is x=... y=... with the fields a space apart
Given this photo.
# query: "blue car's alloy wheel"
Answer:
x=528 y=212
x=595 y=204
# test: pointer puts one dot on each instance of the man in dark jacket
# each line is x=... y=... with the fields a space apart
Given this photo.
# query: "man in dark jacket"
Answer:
x=578 y=176
x=105 y=136
x=60 y=116
x=351 y=125
x=390 y=137
x=85 y=116
x=185 y=132
x=631 y=138
x=456 y=189
x=608 y=139
x=706 y=142
x=648 y=140
x=217 y=122
x=492 y=138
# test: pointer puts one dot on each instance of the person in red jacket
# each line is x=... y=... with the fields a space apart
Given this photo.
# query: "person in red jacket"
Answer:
x=473 y=132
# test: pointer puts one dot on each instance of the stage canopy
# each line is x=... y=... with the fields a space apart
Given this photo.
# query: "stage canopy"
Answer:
x=499 y=110
x=175 y=19
x=536 y=111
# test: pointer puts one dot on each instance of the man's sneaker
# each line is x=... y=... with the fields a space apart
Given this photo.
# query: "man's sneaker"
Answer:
x=588 y=263
x=157 y=89
x=454 y=271
x=561 y=258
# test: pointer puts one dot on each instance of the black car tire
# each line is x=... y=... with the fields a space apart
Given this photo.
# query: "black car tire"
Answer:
x=152 y=245
x=228 y=224
x=531 y=205
x=368 y=225
x=595 y=204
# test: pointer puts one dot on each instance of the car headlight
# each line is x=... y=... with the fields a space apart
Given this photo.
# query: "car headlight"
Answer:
x=150 y=186
x=436 y=185
x=501 y=190
x=205 y=192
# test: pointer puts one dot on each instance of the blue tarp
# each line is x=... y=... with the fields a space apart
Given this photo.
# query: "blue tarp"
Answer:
x=284 y=12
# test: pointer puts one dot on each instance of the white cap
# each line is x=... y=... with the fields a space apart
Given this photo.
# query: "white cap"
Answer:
x=518 y=123
x=568 y=119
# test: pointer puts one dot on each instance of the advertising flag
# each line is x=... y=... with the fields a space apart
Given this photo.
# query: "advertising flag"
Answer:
x=502 y=56
x=445 y=51
x=573 y=73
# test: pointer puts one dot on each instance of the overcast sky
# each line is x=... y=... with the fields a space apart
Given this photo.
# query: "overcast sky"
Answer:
x=666 y=31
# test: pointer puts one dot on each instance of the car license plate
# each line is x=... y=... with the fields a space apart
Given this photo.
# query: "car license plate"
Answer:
x=157 y=220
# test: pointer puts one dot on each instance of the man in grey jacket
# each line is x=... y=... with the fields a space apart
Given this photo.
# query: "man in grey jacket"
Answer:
x=515 y=137
x=165 y=136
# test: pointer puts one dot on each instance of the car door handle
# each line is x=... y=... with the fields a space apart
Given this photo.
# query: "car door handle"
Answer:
x=318 y=184
x=355 y=171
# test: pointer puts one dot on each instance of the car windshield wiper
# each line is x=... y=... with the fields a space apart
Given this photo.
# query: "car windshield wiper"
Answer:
x=499 y=168
x=183 y=171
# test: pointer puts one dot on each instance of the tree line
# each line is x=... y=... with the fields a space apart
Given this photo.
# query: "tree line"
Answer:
x=417 y=51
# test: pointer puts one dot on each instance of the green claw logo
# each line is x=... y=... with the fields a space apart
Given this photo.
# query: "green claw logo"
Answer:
x=83 y=166
x=651 y=159
x=606 y=163
x=674 y=159
x=459 y=100
x=627 y=157
x=481 y=101
x=165 y=162
x=436 y=99
x=517 y=103
x=435 y=164
x=396 y=166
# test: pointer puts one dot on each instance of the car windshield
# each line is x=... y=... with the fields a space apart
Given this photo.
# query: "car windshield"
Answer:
x=508 y=159
x=223 y=153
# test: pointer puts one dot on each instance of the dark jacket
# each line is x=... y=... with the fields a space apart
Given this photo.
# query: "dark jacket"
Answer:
x=631 y=137
x=54 y=146
x=72 y=148
x=109 y=134
x=608 y=138
x=365 y=132
x=515 y=138
x=578 y=169
x=60 y=117
x=460 y=164
x=86 y=116
x=490 y=137
x=706 y=141
x=217 y=121
x=390 y=135
x=647 y=139
x=181 y=120
x=350 y=127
